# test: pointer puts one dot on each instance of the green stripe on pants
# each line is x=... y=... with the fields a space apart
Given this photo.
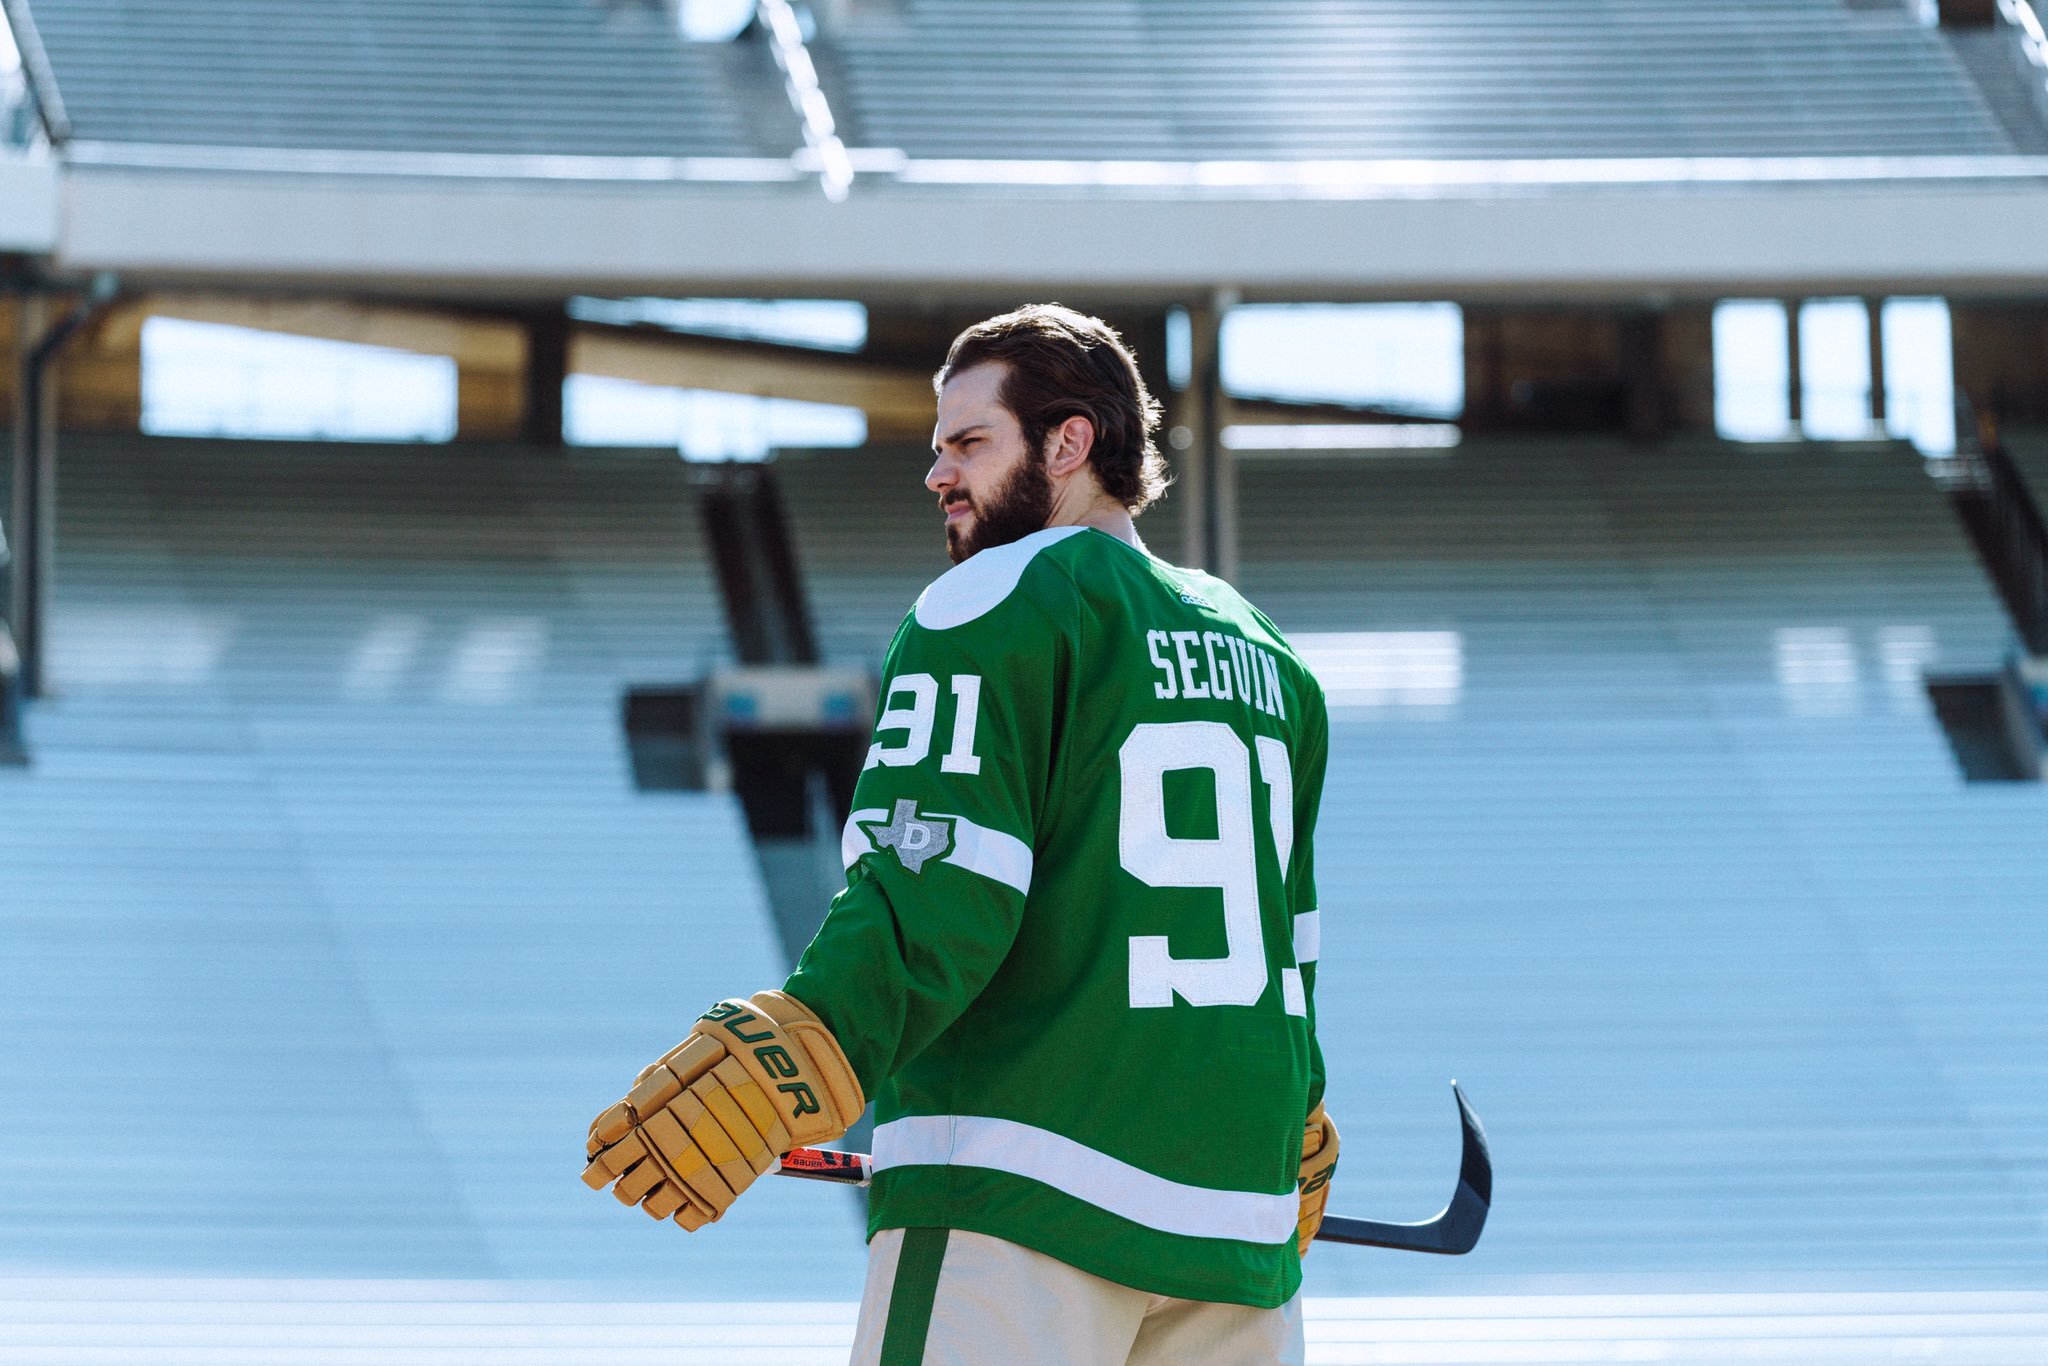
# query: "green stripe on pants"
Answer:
x=912 y=1295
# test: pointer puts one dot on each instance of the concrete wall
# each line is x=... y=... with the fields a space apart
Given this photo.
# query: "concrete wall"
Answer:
x=2002 y=356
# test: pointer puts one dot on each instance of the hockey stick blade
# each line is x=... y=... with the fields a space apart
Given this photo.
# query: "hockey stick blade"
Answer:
x=1456 y=1230
x=1452 y=1233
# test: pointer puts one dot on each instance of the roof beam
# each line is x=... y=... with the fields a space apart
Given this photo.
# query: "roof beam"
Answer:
x=500 y=240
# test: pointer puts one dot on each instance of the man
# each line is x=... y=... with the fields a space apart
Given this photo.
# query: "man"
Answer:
x=1075 y=954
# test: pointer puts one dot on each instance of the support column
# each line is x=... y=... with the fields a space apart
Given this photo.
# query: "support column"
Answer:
x=35 y=472
x=1795 y=378
x=1878 y=410
x=1486 y=369
x=23 y=599
x=1642 y=371
x=547 y=368
x=1208 y=475
x=28 y=324
x=1190 y=432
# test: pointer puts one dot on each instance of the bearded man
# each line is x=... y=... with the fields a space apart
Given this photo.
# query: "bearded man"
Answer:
x=1074 y=960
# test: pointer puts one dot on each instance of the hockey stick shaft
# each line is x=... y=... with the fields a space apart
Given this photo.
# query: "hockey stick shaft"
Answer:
x=1452 y=1232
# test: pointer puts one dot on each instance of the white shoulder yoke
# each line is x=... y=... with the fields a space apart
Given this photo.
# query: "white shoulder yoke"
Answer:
x=979 y=584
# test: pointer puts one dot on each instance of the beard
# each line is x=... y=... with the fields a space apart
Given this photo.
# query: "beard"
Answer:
x=1018 y=506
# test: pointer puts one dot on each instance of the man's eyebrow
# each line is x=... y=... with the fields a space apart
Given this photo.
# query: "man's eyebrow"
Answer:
x=959 y=433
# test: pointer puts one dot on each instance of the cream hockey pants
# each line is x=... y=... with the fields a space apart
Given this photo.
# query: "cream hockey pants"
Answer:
x=946 y=1297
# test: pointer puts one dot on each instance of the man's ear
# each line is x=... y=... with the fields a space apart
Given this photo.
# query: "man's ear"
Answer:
x=1068 y=445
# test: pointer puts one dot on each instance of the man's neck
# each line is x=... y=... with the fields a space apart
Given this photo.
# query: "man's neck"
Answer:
x=1100 y=511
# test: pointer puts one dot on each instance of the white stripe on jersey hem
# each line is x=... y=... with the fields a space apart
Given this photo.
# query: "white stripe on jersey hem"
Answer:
x=1103 y=1181
x=995 y=855
x=1308 y=936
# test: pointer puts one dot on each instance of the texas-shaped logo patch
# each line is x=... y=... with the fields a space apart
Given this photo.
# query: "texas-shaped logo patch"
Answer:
x=916 y=839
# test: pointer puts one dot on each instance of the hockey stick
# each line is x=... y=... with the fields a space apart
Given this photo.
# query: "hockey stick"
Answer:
x=1453 y=1232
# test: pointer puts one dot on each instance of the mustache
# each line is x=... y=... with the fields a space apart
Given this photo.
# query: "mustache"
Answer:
x=956 y=499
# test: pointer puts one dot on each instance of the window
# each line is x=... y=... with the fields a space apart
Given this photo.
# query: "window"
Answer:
x=1919 y=373
x=1408 y=358
x=822 y=324
x=209 y=379
x=1752 y=370
x=1834 y=369
x=701 y=423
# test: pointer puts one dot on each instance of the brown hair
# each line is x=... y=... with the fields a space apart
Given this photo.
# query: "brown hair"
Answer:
x=1063 y=364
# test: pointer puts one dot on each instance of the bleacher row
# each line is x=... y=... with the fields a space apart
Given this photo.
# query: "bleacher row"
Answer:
x=331 y=868
x=1228 y=79
x=1169 y=79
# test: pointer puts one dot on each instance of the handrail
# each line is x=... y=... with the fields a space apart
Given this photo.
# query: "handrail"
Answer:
x=2031 y=47
x=2004 y=522
x=36 y=71
x=807 y=97
x=2033 y=37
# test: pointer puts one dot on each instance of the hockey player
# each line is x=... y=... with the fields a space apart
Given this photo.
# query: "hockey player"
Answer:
x=1074 y=960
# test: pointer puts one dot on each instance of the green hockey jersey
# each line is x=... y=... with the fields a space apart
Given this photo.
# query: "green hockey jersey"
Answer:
x=1074 y=959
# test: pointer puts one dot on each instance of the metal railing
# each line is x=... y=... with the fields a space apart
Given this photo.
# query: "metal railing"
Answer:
x=17 y=112
x=31 y=110
x=11 y=748
x=2030 y=48
x=2004 y=522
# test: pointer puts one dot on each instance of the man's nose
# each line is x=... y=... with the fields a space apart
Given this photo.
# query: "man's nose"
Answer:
x=942 y=476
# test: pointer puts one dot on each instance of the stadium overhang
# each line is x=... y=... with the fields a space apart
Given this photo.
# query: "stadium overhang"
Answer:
x=1114 y=230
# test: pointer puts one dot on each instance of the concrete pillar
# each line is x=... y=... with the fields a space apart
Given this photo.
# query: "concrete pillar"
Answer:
x=1875 y=307
x=1207 y=480
x=1795 y=377
x=547 y=368
x=32 y=420
x=12 y=751
x=1642 y=373
x=1486 y=369
x=10 y=346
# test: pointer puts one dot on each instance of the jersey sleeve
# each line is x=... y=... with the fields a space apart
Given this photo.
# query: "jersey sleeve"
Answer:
x=939 y=846
x=1301 y=873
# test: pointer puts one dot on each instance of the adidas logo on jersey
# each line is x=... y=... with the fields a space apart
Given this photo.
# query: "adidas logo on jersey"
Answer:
x=1196 y=600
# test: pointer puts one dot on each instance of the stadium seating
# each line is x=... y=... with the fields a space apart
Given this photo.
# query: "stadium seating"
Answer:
x=1055 y=79
x=500 y=76
x=1227 y=79
x=331 y=851
x=1683 y=884
x=1653 y=844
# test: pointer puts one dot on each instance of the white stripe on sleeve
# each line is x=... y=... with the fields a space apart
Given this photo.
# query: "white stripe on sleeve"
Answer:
x=854 y=841
x=995 y=855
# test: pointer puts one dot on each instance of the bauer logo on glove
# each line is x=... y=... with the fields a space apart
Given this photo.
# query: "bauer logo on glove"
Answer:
x=753 y=1080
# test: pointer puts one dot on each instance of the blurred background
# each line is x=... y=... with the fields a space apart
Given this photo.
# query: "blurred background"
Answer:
x=465 y=467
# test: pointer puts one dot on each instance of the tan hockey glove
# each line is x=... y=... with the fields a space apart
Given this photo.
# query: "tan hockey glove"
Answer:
x=754 y=1079
x=1318 y=1165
